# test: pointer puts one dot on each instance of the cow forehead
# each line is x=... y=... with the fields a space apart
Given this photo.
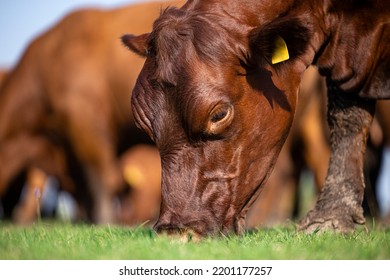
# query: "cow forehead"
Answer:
x=181 y=39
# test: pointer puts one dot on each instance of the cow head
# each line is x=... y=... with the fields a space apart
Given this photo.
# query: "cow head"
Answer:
x=218 y=110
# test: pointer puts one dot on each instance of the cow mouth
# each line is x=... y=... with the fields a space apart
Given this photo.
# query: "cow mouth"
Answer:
x=195 y=228
x=199 y=228
x=179 y=234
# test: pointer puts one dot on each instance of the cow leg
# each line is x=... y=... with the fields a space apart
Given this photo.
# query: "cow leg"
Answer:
x=16 y=154
x=339 y=205
x=29 y=208
x=93 y=143
x=103 y=186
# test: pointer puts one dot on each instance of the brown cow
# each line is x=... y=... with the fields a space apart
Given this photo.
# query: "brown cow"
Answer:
x=71 y=89
x=218 y=92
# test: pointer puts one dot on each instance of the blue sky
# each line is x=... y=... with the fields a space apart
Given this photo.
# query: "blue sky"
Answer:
x=22 y=20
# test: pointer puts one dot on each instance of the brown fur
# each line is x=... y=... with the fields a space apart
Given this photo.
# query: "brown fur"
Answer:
x=3 y=75
x=306 y=147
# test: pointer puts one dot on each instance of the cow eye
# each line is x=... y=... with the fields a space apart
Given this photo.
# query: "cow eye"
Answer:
x=220 y=118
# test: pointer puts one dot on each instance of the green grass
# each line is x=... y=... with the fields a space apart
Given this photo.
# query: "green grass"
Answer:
x=65 y=241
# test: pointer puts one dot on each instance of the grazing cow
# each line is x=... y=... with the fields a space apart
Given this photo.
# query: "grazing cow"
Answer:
x=71 y=90
x=218 y=92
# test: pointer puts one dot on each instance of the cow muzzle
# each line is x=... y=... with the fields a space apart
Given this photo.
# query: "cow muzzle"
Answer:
x=177 y=233
x=185 y=228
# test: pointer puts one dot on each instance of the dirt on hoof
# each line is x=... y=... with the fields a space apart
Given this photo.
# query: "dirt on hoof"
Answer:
x=321 y=221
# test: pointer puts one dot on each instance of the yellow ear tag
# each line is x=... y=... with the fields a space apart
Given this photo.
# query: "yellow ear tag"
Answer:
x=280 y=52
x=133 y=176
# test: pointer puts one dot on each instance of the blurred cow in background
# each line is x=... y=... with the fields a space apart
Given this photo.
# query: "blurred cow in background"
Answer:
x=139 y=201
x=65 y=107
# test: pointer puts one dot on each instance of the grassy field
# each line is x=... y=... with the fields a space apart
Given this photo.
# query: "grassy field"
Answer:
x=65 y=241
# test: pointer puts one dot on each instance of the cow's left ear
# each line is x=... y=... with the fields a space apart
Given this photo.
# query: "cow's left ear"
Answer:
x=281 y=40
x=137 y=44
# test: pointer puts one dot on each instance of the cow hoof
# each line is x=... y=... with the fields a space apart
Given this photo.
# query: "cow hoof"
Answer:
x=321 y=221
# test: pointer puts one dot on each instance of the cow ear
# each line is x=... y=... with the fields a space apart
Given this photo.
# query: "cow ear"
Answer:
x=137 y=44
x=279 y=41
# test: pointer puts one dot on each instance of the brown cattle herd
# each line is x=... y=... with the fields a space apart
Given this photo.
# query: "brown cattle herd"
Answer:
x=65 y=116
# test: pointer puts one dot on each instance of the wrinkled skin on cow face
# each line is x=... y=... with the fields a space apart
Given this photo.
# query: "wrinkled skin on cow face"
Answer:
x=207 y=179
x=219 y=125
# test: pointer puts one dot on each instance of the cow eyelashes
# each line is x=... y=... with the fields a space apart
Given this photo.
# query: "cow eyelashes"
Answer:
x=220 y=118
